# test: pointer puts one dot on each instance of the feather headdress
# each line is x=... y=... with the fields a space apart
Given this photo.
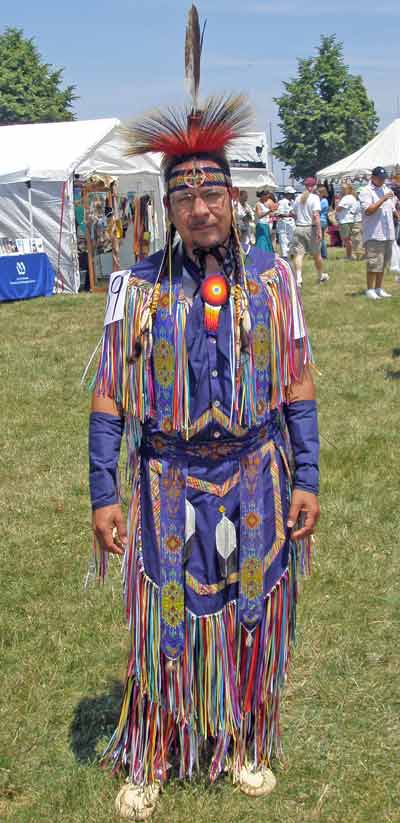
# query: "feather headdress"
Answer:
x=206 y=129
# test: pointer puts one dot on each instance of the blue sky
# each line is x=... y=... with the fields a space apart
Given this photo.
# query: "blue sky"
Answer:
x=127 y=57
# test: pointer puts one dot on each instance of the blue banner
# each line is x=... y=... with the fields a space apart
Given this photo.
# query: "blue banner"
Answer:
x=23 y=276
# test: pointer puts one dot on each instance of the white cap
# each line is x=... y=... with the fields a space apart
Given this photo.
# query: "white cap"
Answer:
x=290 y=190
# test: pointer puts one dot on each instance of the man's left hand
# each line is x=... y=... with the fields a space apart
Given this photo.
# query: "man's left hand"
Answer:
x=306 y=504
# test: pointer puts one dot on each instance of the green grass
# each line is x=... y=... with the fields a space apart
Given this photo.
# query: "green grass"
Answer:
x=64 y=652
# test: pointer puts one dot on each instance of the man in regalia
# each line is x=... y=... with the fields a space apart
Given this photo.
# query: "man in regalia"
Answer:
x=205 y=363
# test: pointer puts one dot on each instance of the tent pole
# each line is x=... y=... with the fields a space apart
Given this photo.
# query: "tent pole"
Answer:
x=30 y=209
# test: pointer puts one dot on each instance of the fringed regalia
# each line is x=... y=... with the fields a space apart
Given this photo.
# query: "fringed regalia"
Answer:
x=210 y=574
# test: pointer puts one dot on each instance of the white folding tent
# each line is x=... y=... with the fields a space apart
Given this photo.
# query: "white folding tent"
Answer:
x=382 y=150
x=37 y=170
x=38 y=165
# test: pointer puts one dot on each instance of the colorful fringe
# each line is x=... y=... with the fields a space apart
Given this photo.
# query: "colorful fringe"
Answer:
x=181 y=400
x=124 y=371
x=289 y=357
x=225 y=688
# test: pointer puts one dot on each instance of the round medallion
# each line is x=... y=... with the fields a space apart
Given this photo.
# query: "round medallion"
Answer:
x=215 y=290
x=194 y=178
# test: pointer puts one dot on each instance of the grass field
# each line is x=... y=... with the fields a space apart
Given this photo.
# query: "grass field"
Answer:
x=64 y=652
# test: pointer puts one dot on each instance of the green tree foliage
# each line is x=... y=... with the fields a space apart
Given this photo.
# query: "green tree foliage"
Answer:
x=30 y=89
x=325 y=112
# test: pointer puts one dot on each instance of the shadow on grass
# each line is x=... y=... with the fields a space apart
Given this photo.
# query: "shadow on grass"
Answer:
x=392 y=375
x=355 y=293
x=94 y=719
x=396 y=352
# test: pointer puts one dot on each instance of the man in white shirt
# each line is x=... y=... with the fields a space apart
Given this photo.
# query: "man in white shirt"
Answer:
x=378 y=207
x=307 y=234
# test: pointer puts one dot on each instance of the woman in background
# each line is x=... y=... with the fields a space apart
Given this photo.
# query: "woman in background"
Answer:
x=265 y=207
x=323 y=196
x=345 y=214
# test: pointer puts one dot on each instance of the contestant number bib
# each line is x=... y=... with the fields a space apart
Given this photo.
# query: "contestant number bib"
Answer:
x=116 y=297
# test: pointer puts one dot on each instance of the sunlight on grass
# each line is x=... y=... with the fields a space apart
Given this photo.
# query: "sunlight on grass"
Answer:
x=64 y=652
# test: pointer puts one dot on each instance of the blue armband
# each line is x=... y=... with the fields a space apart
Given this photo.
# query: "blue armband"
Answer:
x=302 y=422
x=105 y=433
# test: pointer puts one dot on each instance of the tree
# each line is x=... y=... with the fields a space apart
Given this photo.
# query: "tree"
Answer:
x=325 y=112
x=29 y=88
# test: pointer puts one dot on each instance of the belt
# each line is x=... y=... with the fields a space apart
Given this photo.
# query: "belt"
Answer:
x=159 y=446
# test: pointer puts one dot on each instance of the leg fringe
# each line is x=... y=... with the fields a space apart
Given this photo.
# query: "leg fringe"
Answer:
x=225 y=688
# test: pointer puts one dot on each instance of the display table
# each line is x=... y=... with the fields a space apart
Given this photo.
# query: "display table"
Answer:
x=23 y=276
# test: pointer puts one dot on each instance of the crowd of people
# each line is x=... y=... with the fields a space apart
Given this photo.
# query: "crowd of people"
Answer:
x=363 y=219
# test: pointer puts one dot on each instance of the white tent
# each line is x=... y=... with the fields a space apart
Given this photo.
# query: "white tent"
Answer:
x=38 y=164
x=253 y=179
x=382 y=150
x=251 y=148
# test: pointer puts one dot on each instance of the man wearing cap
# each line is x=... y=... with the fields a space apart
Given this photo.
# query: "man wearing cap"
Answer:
x=378 y=208
x=285 y=225
x=308 y=235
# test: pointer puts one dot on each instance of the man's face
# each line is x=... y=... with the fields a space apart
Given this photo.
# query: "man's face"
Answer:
x=243 y=197
x=201 y=215
x=377 y=181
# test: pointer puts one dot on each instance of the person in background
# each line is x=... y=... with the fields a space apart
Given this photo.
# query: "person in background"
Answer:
x=235 y=201
x=395 y=186
x=378 y=209
x=330 y=188
x=323 y=196
x=345 y=215
x=245 y=218
x=307 y=235
x=265 y=206
x=285 y=224
x=357 y=238
x=273 y=217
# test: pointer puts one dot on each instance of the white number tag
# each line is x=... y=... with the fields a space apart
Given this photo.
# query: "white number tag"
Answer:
x=116 y=297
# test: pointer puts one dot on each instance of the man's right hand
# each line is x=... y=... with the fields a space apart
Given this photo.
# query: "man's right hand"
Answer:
x=104 y=521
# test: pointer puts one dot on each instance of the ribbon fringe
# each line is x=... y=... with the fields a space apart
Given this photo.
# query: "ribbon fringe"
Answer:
x=289 y=357
x=225 y=689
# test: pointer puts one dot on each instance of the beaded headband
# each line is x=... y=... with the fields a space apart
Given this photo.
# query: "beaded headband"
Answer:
x=196 y=177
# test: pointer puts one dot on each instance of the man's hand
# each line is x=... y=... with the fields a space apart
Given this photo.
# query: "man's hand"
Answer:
x=306 y=504
x=105 y=520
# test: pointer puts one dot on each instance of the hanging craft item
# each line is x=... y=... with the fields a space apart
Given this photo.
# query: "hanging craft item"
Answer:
x=225 y=536
x=215 y=293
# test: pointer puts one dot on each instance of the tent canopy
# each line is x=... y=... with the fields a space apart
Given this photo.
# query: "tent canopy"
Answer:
x=253 y=179
x=54 y=151
x=382 y=150
x=49 y=155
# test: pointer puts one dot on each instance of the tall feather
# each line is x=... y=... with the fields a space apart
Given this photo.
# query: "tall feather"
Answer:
x=193 y=43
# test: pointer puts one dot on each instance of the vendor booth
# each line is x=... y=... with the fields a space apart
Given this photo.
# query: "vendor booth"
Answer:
x=69 y=189
x=71 y=186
